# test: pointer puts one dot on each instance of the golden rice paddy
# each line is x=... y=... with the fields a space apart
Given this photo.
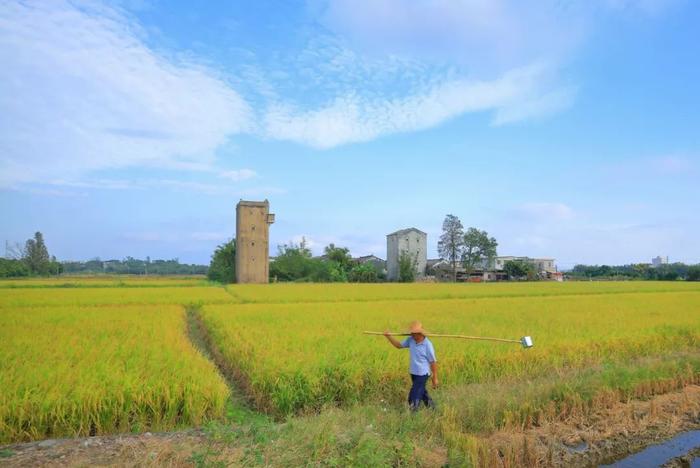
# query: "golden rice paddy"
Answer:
x=107 y=355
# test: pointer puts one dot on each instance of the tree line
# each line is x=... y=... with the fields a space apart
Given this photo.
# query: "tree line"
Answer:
x=295 y=262
x=134 y=266
x=639 y=271
x=33 y=259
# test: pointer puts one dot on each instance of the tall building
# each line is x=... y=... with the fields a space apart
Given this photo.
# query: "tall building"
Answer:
x=412 y=241
x=659 y=260
x=253 y=221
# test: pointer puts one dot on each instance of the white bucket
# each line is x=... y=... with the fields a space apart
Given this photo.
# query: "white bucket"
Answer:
x=526 y=342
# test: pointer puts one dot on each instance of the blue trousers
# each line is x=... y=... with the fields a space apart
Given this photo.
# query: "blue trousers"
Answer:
x=419 y=393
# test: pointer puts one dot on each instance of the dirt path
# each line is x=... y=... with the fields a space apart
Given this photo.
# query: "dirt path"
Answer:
x=175 y=449
x=200 y=338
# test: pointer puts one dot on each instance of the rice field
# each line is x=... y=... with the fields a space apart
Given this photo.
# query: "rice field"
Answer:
x=104 y=281
x=108 y=355
x=303 y=356
x=69 y=371
x=94 y=296
x=353 y=292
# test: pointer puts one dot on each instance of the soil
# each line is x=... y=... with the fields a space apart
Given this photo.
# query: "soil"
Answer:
x=161 y=449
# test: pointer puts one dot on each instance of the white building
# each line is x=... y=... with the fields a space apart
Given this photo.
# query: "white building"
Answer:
x=543 y=265
x=412 y=241
x=659 y=260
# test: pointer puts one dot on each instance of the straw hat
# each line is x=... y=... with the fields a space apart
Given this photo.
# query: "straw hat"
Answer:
x=417 y=327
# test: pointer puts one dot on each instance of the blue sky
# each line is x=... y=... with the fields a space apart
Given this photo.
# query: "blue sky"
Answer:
x=568 y=129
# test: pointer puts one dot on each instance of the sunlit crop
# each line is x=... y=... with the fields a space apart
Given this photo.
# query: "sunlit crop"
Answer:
x=23 y=297
x=103 y=281
x=95 y=370
x=302 y=356
x=345 y=292
x=99 y=356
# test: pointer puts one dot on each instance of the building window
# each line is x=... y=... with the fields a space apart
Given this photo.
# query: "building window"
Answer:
x=252 y=228
x=253 y=244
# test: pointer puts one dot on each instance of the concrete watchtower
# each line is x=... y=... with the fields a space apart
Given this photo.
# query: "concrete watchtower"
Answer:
x=253 y=221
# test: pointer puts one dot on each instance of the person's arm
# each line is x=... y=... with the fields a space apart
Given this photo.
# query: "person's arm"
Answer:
x=433 y=364
x=433 y=371
x=392 y=340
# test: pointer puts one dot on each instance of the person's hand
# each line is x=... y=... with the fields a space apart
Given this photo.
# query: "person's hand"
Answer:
x=386 y=333
x=435 y=383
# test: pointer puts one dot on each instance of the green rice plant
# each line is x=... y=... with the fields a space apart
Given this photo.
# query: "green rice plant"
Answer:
x=76 y=371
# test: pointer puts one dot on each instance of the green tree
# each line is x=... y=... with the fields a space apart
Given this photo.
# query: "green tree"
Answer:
x=223 y=263
x=36 y=255
x=451 y=242
x=11 y=268
x=407 y=267
x=478 y=247
x=363 y=273
x=328 y=271
x=516 y=269
x=693 y=273
x=294 y=263
x=341 y=255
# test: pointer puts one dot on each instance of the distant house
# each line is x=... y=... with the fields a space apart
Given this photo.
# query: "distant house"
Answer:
x=378 y=263
x=541 y=264
x=430 y=265
x=546 y=267
x=493 y=270
x=442 y=271
x=413 y=242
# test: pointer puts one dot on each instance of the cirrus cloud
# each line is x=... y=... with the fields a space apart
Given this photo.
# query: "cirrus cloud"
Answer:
x=83 y=92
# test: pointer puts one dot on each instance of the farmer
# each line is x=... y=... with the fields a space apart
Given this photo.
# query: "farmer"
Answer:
x=423 y=364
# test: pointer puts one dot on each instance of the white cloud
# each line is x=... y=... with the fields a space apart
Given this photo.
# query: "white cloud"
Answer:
x=516 y=95
x=480 y=33
x=83 y=92
x=238 y=175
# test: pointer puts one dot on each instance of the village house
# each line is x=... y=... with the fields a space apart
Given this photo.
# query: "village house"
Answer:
x=411 y=241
